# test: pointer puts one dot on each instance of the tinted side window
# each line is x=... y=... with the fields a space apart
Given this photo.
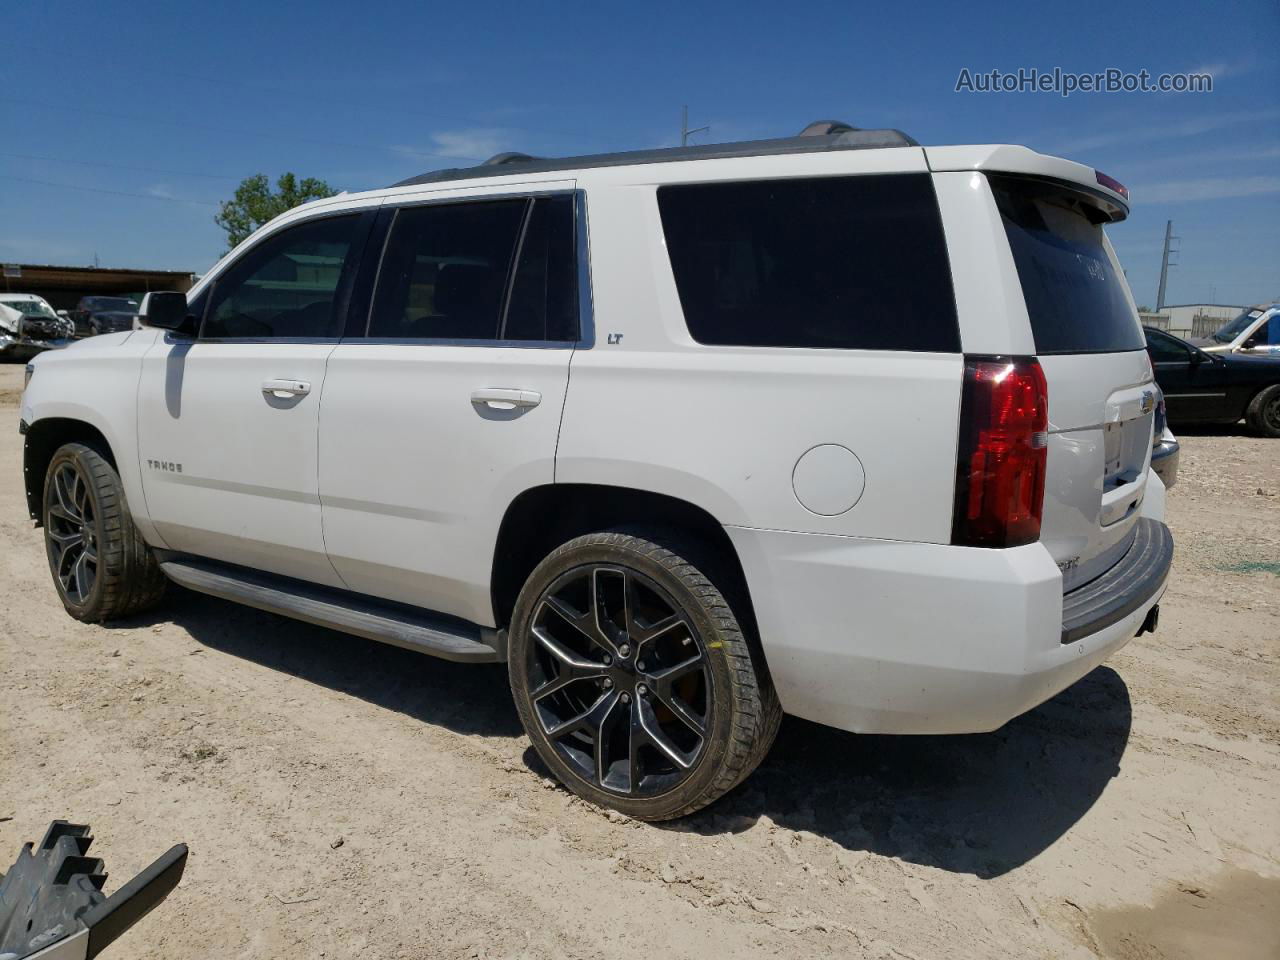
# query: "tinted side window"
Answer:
x=286 y=286
x=1165 y=349
x=844 y=262
x=544 y=293
x=1075 y=297
x=444 y=272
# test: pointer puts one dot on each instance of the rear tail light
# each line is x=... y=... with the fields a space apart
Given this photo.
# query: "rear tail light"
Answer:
x=1000 y=470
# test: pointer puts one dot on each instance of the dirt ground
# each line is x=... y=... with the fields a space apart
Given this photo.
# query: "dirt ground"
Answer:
x=346 y=799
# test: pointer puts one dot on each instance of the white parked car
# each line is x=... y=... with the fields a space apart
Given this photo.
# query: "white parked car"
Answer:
x=835 y=425
x=29 y=325
x=1255 y=331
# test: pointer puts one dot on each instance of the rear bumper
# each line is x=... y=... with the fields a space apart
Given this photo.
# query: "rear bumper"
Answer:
x=1164 y=461
x=877 y=636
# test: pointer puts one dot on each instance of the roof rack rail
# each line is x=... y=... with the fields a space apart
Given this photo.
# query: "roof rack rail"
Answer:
x=818 y=137
x=498 y=159
x=821 y=128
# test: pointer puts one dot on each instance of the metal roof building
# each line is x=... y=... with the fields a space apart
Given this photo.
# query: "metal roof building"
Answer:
x=64 y=286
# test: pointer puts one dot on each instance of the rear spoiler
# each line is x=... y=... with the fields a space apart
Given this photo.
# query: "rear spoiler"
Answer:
x=1106 y=195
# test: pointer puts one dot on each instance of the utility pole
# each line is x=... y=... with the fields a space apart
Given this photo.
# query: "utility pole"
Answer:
x=685 y=132
x=1165 y=264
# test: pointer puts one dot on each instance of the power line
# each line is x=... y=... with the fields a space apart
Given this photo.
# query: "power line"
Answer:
x=114 y=193
x=121 y=166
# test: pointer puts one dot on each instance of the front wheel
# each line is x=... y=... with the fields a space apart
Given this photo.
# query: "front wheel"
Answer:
x=633 y=678
x=1264 y=412
x=101 y=566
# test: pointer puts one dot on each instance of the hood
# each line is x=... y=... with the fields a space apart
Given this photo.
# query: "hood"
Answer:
x=116 y=314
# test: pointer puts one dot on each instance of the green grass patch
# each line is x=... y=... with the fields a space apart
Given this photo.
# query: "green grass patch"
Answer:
x=1253 y=566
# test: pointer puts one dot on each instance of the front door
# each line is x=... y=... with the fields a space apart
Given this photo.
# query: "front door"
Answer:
x=1191 y=381
x=227 y=422
x=450 y=406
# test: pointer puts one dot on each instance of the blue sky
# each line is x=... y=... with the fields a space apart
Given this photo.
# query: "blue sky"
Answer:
x=126 y=123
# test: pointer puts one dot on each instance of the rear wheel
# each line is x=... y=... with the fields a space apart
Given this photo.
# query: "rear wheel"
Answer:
x=633 y=678
x=1263 y=414
x=101 y=566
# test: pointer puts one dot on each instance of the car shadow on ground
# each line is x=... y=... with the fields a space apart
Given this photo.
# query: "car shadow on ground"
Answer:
x=1238 y=429
x=981 y=804
x=465 y=698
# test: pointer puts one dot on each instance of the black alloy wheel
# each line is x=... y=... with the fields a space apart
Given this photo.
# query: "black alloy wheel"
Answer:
x=633 y=677
x=619 y=679
x=101 y=566
x=73 y=532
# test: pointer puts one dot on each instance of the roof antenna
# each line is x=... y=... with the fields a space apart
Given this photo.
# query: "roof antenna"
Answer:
x=685 y=132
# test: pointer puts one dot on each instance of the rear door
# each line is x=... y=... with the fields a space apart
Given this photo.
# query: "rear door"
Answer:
x=447 y=405
x=1091 y=347
x=227 y=423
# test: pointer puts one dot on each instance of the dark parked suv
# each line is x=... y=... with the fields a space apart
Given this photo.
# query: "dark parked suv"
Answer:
x=94 y=315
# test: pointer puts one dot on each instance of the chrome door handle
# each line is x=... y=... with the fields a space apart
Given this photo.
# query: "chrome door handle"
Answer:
x=502 y=398
x=286 y=388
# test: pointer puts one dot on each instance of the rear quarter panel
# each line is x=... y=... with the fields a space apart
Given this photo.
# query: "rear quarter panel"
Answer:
x=723 y=427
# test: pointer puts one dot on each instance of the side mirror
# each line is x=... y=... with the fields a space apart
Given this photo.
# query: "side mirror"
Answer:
x=167 y=309
x=1250 y=343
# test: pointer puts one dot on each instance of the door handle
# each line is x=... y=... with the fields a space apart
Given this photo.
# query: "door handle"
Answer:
x=286 y=388
x=503 y=398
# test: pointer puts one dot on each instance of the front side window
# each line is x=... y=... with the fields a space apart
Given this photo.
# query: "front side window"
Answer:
x=286 y=286
x=856 y=262
x=1165 y=349
x=1269 y=333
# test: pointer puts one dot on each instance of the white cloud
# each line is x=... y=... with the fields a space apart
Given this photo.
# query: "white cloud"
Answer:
x=1223 y=68
x=1211 y=188
x=161 y=190
x=475 y=145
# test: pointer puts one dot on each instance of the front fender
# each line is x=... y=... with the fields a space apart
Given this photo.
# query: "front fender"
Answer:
x=96 y=383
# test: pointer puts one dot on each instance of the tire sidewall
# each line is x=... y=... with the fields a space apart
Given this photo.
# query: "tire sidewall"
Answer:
x=1265 y=399
x=75 y=455
x=597 y=550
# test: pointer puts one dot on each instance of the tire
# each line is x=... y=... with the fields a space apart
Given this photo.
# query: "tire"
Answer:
x=1263 y=413
x=633 y=678
x=101 y=567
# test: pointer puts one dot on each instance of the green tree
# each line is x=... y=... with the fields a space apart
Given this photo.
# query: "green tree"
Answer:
x=255 y=203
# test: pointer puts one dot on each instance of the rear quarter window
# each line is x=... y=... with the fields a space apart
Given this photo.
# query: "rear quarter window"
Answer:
x=855 y=262
x=1075 y=296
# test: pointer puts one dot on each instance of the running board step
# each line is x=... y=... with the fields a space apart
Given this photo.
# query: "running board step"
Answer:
x=397 y=625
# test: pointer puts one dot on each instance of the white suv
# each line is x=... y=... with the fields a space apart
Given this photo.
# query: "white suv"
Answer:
x=835 y=425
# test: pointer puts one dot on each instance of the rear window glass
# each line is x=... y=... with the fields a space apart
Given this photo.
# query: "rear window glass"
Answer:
x=834 y=262
x=1075 y=296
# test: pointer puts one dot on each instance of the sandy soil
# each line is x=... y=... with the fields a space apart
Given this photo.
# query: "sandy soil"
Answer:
x=341 y=798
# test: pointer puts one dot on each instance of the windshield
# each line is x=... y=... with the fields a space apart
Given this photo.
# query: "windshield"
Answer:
x=1230 y=331
x=30 y=308
x=114 y=303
